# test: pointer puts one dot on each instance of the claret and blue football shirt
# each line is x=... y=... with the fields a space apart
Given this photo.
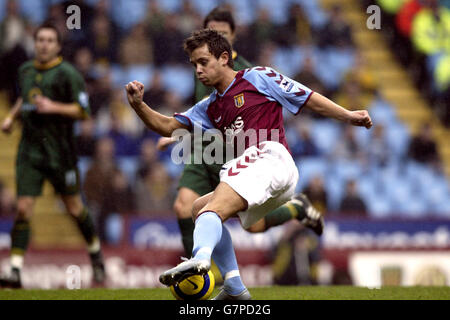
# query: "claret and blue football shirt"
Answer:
x=253 y=101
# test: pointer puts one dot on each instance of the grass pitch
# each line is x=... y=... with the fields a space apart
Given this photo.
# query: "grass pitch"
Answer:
x=260 y=293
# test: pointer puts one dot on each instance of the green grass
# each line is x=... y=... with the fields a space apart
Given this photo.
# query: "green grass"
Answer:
x=260 y=293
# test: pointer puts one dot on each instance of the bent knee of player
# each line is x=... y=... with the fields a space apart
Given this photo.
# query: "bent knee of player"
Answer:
x=25 y=208
x=257 y=227
x=196 y=207
x=74 y=205
x=182 y=208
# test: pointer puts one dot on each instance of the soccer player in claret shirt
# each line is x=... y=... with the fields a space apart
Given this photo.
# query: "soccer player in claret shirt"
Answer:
x=52 y=98
x=199 y=179
x=264 y=175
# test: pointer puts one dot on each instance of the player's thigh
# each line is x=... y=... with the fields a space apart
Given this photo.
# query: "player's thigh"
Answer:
x=196 y=177
x=73 y=203
x=225 y=202
x=184 y=202
x=65 y=179
x=29 y=178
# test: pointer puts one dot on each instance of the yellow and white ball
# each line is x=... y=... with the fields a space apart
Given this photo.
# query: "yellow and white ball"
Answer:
x=196 y=287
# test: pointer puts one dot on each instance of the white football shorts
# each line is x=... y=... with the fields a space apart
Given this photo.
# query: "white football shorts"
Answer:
x=265 y=175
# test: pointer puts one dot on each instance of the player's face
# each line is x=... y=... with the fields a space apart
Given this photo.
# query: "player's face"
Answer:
x=46 y=45
x=207 y=67
x=223 y=28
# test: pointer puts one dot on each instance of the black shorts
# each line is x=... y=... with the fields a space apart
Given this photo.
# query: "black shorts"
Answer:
x=30 y=178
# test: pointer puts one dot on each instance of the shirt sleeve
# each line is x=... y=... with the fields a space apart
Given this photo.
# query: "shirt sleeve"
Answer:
x=197 y=115
x=77 y=91
x=291 y=94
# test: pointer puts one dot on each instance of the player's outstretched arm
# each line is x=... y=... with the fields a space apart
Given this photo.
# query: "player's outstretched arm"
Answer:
x=12 y=115
x=328 y=108
x=154 y=120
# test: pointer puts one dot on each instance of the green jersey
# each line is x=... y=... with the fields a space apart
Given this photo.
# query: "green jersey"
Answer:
x=49 y=138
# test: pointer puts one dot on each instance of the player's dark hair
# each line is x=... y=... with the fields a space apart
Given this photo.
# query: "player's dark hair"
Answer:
x=217 y=44
x=48 y=25
x=222 y=15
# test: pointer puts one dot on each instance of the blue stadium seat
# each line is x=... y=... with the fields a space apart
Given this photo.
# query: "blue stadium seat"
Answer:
x=129 y=166
x=442 y=209
x=398 y=138
x=174 y=170
x=127 y=13
x=382 y=112
x=419 y=175
x=279 y=10
x=309 y=167
x=83 y=166
x=346 y=169
x=142 y=73
x=204 y=7
x=378 y=206
x=244 y=10
x=170 y=6
x=316 y=15
x=366 y=186
x=35 y=11
x=283 y=62
x=413 y=207
x=437 y=195
x=335 y=187
x=325 y=134
x=178 y=79
x=334 y=63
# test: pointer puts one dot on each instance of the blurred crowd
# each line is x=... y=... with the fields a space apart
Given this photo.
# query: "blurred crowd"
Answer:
x=419 y=33
x=119 y=41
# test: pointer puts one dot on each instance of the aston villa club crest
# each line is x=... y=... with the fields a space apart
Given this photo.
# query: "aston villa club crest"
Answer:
x=239 y=100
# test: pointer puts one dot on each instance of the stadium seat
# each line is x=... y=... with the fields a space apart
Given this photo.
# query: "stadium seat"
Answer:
x=244 y=10
x=325 y=134
x=316 y=15
x=378 y=206
x=83 y=166
x=169 y=6
x=279 y=10
x=174 y=170
x=335 y=188
x=204 y=7
x=398 y=138
x=184 y=84
x=114 y=226
x=126 y=18
x=345 y=169
x=142 y=73
x=309 y=167
x=282 y=62
x=382 y=112
x=333 y=65
x=35 y=11
x=128 y=165
x=436 y=197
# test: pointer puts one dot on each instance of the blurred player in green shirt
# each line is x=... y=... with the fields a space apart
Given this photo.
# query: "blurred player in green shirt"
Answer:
x=200 y=179
x=52 y=98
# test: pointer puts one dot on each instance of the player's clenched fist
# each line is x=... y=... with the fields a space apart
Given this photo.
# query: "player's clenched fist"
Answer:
x=135 y=93
x=361 y=118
